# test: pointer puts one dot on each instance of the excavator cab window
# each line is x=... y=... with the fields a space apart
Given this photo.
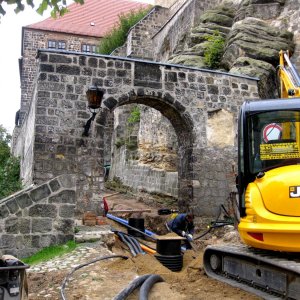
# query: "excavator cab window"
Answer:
x=273 y=140
x=268 y=138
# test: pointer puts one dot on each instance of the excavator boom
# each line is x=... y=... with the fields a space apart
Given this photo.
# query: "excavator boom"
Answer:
x=288 y=76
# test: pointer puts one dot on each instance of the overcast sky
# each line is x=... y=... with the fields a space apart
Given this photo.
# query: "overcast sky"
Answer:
x=10 y=51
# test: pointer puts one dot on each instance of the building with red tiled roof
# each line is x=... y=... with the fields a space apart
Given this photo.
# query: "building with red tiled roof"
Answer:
x=95 y=18
x=81 y=29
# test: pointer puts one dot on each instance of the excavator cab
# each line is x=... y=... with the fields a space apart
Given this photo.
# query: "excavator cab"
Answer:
x=268 y=185
x=269 y=174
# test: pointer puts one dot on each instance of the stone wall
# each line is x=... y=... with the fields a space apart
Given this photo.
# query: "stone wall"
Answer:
x=142 y=177
x=32 y=41
x=38 y=217
x=185 y=96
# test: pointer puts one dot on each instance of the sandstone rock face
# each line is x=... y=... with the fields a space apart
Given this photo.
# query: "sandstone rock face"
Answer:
x=252 y=49
x=218 y=20
x=268 y=87
x=252 y=42
x=254 y=38
x=157 y=141
x=262 y=9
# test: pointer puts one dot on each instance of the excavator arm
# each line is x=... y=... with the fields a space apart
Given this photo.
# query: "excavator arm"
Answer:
x=288 y=76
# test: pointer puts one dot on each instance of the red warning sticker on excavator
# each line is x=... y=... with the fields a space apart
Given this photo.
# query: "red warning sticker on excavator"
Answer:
x=279 y=151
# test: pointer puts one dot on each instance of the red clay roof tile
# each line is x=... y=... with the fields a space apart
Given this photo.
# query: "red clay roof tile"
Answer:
x=93 y=18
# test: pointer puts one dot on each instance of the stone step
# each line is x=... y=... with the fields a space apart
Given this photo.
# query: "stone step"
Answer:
x=101 y=233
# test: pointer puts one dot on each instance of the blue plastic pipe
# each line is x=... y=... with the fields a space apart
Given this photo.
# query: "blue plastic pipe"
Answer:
x=125 y=222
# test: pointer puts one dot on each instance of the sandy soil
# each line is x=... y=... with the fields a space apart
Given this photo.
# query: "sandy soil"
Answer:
x=105 y=279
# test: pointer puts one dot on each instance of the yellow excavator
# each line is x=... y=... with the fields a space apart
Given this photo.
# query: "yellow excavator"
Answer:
x=268 y=182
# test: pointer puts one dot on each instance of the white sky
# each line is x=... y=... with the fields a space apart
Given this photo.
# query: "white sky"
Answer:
x=10 y=51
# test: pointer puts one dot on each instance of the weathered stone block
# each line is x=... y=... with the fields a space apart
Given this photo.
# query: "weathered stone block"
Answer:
x=62 y=59
x=82 y=60
x=24 y=200
x=46 y=68
x=43 y=210
x=7 y=241
x=41 y=225
x=87 y=72
x=67 y=196
x=47 y=240
x=54 y=185
x=53 y=78
x=213 y=89
x=147 y=73
x=42 y=77
x=24 y=225
x=11 y=225
x=63 y=238
x=70 y=70
x=40 y=193
x=67 y=181
x=65 y=226
x=66 y=211
x=12 y=206
x=110 y=102
x=35 y=241
x=43 y=57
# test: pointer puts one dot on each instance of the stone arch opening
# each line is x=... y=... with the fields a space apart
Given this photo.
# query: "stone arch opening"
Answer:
x=182 y=124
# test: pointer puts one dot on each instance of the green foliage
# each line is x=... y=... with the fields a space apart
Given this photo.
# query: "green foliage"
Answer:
x=133 y=119
x=50 y=252
x=135 y=115
x=213 y=53
x=59 y=7
x=119 y=143
x=117 y=36
x=9 y=167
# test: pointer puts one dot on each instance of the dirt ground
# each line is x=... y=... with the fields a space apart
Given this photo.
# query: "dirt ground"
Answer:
x=106 y=278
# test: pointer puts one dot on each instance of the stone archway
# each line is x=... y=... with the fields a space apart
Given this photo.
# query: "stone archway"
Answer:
x=183 y=128
x=51 y=141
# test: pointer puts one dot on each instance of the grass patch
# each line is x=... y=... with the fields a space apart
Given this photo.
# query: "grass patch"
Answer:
x=213 y=53
x=50 y=252
x=117 y=36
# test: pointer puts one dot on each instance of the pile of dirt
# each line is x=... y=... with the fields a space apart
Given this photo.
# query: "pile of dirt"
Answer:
x=106 y=278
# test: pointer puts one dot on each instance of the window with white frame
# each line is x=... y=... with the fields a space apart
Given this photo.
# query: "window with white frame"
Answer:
x=87 y=48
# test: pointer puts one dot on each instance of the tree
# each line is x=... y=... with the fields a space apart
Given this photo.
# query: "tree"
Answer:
x=9 y=167
x=59 y=7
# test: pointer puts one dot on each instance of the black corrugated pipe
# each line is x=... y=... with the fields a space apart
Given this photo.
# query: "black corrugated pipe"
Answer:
x=133 y=245
x=138 y=241
x=137 y=244
x=147 y=285
x=131 y=287
x=128 y=244
x=83 y=265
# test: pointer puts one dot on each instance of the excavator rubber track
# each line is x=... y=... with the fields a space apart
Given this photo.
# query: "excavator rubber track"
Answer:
x=267 y=274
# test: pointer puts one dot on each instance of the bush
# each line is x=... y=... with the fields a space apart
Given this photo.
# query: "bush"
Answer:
x=214 y=51
x=135 y=115
x=117 y=36
x=9 y=167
